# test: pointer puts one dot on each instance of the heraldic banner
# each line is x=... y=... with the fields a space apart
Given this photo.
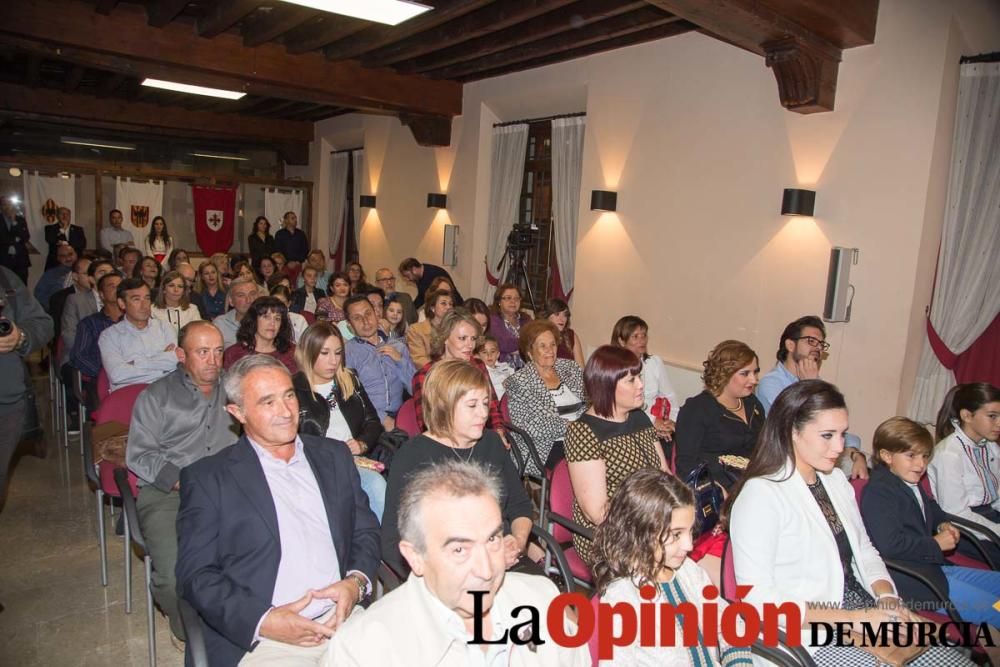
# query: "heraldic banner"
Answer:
x=214 y=217
x=43 y=196
x=139 y=204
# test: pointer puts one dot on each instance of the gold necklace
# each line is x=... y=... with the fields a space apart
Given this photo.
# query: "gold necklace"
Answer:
x=738 y=408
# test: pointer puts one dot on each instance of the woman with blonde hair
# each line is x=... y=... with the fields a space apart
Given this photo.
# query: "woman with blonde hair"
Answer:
x=172 y=305
x=333 y=403
x=209 y=295
x=455 y=402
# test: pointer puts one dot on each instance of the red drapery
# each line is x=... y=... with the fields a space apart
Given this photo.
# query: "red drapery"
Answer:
x=979 y=363
x=214 y=217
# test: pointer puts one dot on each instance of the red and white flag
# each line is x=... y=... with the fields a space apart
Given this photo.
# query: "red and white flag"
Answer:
x=214 y=217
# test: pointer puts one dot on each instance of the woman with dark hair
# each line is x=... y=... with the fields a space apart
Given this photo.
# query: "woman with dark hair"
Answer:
x=150 y=272
x=557 y=312
x=645 y=541
x=209 y=296
x=479 y=310
x=171 y=304
x=611 y=440
x=266 y=269
x=356 y=275
x=418 y=336
x=158 y=244
x=265 y=329
x=798 y=537
x=632 y=333
x=545 y=395
x=506 y=322
x=455 y=404
x=965 y=470
x=333 y=403
x=395 y=316
x=178 y=256
x=261 y=243
x=242 y=269
x=279 y=260
x=340 y=291
x=724 y=419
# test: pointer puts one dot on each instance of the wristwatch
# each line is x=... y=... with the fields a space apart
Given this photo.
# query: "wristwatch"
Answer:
x=362 y=584
x=22 y=343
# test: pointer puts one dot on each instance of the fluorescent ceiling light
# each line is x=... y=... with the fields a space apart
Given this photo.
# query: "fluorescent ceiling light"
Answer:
x=194 y=90
x=97 y=143
x=220 y=156
x=391 y=12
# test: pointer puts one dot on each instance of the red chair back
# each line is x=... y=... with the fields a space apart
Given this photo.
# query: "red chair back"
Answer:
x=117 y=406
x=308 y=317
x=505 y=410
x=106 y=475
x=406 y=418
x=103 y=385
x=561 y=499
x=728 y=572
x=859 y=487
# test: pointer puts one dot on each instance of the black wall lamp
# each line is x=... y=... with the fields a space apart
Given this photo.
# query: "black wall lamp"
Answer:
x=603 y=200
x=437 y=200
x=367 y=201
x=798 y=202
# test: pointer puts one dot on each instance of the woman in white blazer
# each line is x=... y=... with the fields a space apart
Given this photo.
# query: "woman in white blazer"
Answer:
x=797 y=533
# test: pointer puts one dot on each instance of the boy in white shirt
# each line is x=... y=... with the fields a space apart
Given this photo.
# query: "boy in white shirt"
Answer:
x=489 y=353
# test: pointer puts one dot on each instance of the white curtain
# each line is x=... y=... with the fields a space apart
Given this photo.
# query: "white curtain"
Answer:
x=42 y=196
x=139 y=204
x=510 y=142
x=567 y=165
x=359 y=164
x=967 y=289
x=279 y=202
x=338 y=197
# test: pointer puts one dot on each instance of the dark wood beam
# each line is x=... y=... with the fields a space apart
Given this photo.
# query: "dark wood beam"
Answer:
x=318 y=34
x=378 y=36
x=162 y=12
x=32 y=72
x=579 y=15
x=275 y=23
x=484 y=21
x=805 y=65
x=630 y=39
x=105 y=6
x=845 y=23
x=224 y=15
x=428 y=130
x=275 y=107
x=73 y=78
x=110 y=84
x=602 y=31
x=57 y=106
x=64 y=30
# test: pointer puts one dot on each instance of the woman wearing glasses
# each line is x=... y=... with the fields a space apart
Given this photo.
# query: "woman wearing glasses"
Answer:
x=506 y=322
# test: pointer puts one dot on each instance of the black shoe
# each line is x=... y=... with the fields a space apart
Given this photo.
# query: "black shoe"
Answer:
x=120 y=524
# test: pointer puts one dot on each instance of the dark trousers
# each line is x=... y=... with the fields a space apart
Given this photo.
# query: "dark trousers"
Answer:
x=12 y=418
x=158 y=520
x=66 y=375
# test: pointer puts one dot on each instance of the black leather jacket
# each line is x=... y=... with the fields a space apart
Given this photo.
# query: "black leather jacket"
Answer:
x=314 y=413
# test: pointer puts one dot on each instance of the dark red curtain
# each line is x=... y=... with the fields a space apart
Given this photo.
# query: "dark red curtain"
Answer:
x=981 y=362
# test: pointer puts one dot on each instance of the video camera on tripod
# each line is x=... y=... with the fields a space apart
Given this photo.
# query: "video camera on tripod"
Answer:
x=522 y=237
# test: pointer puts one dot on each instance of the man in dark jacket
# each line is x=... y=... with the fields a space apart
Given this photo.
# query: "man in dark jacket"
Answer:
x=63 y=232
x=422 y=275
x=14 y=240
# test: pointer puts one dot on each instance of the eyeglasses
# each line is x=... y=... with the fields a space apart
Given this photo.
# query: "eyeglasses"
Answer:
x=815 y=342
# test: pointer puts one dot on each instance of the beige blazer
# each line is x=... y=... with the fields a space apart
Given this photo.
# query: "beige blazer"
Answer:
x=418 y=339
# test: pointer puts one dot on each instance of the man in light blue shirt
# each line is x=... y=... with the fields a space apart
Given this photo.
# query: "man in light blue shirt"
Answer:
x=242 y=293
x=138 y=349
x=384 y=367
x=800 y=355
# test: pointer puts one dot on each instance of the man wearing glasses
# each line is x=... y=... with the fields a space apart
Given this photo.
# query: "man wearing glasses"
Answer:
x=800 y=354
x=386 y=280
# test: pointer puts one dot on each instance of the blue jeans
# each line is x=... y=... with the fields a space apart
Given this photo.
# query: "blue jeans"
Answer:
x=974 y=593
x=373 y=484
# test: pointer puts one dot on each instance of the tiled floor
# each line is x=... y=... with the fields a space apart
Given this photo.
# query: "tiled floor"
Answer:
x=57 y=612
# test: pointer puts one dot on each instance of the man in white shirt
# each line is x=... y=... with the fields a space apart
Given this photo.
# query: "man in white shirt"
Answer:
x=242 y=292
x=138 y=349
x=114 y=235
x=452 y=530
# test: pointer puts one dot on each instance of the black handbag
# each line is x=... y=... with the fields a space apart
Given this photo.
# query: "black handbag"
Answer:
x=708 y=497
x=386 y=446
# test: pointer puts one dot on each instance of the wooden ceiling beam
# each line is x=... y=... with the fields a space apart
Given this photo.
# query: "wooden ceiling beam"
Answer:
x=162 y=12
x=110 y=84
x=602 y=31
x=64 y=29
x=74 y=78
x=577 y=16
x=105 y=6
x=224 y=15
x=428 y=130
x=660 y=32
x=805 y=65
x=275 y=23
x=318 y=34
x=475 y=24
x=380 y=35
x=32 y=72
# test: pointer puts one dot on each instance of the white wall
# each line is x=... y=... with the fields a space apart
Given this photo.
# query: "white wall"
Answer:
x=689 y=132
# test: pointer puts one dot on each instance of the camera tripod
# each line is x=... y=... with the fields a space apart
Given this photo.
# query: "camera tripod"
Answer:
x=516 y=272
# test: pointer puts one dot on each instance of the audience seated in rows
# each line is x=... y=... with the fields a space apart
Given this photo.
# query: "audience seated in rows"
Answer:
x=506 y=321
x=276 y=541
x=265 y=329
x=333 y=403
x=383 y=364
x=137 y=349
x=385 y=279
x=177 y=420
x=418 y=336
x=611 y=440
x=800 y=355
x=451 y=527
x=456 y=399
x=546 y=395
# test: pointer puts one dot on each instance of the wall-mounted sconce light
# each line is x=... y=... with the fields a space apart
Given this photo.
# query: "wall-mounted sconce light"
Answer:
x=437 y=200
x=603 y=200
x=798 y=202
x=367 y=201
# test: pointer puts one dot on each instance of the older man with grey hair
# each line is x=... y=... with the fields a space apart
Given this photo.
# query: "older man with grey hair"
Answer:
x=242 y=293
x=276 y=541
x=452 y=537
